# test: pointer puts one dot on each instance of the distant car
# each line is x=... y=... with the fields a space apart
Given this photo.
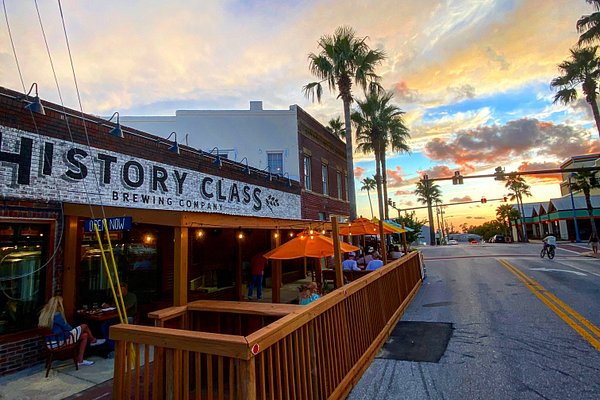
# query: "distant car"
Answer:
x=452 y=241
x=473 y=241
x=498 y=239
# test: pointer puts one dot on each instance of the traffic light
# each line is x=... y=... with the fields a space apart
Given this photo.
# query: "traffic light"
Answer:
x=457 y=179
x=499 y=174
x=504 y=199
x=483 y=200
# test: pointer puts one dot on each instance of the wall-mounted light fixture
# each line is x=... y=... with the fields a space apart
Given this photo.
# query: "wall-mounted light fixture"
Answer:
x=217 y=160
x=247 y=167
x=116 y=131
x=175 y=146
x=36 y=105
x=199 y=233
x=288 y=178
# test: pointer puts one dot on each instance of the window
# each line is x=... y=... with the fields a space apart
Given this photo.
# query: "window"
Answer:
x=136 y=254
x=346 y=186
x=275 y=163
x=322 y=216
x=338 y=176
x=325 y=178
x=307 y=173
x=23 y=256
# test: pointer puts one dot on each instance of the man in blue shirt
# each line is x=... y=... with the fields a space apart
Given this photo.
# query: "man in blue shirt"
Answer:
x=374 y=264
x=350 y=264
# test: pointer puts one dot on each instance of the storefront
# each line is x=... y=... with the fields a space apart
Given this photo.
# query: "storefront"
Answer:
x=182 y=225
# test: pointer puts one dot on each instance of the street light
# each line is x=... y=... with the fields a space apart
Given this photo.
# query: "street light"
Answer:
x=577 y=238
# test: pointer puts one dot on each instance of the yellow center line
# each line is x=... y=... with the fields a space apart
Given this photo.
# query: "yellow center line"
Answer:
x=570 y=316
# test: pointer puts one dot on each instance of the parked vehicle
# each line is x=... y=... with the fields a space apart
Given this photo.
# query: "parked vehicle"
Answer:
x=452 y=241
x=497 y=239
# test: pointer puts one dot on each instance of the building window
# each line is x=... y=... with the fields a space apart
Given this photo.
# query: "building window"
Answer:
x=322 y=216
x=325 y=178
x=275 y=163
x=338 y=176
x=23 y=256
x=136 y=255
x=346 y=186
x=307 y=173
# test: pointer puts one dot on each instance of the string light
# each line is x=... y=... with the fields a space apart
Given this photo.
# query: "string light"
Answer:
x=241 y=235
x=276 y=235
x=291 y=233
x=148 y=238
x=199 y=233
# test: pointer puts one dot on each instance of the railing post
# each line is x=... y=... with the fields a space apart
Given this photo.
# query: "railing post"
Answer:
x=248 y=379
x=339 y=278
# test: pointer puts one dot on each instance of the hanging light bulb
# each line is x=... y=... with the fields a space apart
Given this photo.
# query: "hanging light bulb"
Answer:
x=199 y=233
x=291 y=234
x=241 y=235
x=276 y=235
x=311 y=232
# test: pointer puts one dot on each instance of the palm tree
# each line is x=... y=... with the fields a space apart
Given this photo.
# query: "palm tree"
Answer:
x=369 y=184
x=427 y=193
x=582 y=69
x=380 y=125
x=343 y=59
x=504 y=213
x=589 y=25
x=585 y=181
x=336 y=126
x=518 y=188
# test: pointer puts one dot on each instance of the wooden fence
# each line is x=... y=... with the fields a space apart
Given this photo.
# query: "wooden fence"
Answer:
x=272 y=351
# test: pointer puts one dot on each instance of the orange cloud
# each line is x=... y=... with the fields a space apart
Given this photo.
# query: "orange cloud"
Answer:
x=358 y=172
x=395 y=176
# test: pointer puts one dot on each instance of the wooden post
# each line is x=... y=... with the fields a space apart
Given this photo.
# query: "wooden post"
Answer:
x=382 y=242
x=70 y=275
x=404 y=244
x=239 y=286
x=248 y=379
x=180 y=278
x=335 y=234
x=276 y=273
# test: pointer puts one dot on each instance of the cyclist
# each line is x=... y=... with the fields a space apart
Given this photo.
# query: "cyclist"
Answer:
x=549 y=241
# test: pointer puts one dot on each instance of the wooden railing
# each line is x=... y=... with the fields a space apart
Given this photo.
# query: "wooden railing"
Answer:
x=317 y=351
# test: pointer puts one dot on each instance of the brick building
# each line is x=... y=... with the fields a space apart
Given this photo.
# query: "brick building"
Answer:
x=183 y=225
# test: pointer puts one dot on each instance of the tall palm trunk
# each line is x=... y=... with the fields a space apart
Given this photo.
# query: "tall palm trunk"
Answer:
x=379 y=188
x=370 y=203
x=589 y=89
x=384 y=175
x=590 y=209
x=439 y=227
x=523 y=223
x=431 y=224
x=349 y=158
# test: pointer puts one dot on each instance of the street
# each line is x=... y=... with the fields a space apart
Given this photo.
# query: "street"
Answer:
x=524 y=327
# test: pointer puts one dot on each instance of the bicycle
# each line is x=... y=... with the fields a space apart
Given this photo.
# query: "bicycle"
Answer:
x=547 y=250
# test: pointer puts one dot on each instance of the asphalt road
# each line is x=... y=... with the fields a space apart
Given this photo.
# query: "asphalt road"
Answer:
x=524 y=327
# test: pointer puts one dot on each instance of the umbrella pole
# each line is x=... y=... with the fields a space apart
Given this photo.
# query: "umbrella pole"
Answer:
x=404 y=244
x=339 y=278
x=305 y=271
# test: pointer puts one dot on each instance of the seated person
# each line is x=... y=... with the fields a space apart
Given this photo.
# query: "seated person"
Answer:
x=395 y=253
x=374 y=264
x=350 y=264
x=130 y=301
x=53 y=316
x=308 y=293
x=369 y=256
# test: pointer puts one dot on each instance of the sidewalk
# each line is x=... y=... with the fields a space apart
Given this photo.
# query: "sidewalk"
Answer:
x=92 y=382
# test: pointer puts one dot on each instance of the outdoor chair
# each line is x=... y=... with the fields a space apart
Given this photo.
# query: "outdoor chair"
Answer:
x=58 y=345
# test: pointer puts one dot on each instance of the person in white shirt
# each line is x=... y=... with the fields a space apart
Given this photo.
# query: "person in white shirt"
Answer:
x=374 y=264
x=350 y=264
x=396 y=253
x=549 y=241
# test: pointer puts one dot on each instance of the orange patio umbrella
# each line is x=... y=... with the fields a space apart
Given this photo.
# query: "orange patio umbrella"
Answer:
x=363 y=226
x=307 y=245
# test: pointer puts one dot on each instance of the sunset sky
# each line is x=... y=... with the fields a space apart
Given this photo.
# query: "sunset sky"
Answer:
x=472 y=76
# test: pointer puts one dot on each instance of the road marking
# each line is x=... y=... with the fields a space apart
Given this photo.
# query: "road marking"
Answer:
x=558 y=270
x=570 y=316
